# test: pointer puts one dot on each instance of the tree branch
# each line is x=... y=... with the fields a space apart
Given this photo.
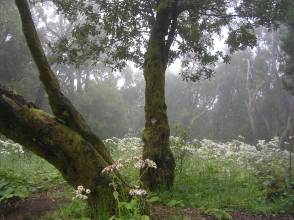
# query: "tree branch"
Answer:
x=74 y=156
x=173 y=25
x=46 y=136
x=61 y=106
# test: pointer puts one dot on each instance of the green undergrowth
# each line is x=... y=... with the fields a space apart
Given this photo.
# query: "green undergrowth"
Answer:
x=214 y=185
x=24 y=174
x=75 y=210
x=225 y=186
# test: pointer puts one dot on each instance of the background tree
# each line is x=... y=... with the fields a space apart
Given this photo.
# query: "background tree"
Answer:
x=152 y=34
x=17 y=70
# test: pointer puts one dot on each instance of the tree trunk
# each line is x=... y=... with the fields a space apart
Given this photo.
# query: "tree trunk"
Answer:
x=40 y=97
x=251 y=103
x=66 y=141
x=75 y=157
x=156 y=133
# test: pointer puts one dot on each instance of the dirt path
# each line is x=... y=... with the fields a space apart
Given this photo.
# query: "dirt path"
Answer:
x=160 y=212
x=31 y=208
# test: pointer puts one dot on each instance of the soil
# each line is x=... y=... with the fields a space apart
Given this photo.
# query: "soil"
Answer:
x=32 y=208
x=40 y=204
x=160 y=212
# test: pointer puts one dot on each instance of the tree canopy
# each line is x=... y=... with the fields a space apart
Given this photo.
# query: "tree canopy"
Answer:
x=116 y=31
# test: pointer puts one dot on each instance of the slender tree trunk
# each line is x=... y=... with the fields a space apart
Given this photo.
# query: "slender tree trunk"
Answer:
x=251 y=102
x=40 y=97
x=156 y=133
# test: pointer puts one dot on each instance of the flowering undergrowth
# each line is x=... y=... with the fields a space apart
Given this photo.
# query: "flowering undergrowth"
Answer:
x=232 y=175
x=209 y=175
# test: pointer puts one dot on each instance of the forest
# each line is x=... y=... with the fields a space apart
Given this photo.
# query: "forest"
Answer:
x=146 y=110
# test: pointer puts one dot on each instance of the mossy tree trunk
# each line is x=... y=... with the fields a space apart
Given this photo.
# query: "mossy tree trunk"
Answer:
x=156 y=133
x=46 y=136
x=66 y=141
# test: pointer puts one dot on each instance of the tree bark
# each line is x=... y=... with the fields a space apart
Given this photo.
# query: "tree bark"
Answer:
x=156 y=133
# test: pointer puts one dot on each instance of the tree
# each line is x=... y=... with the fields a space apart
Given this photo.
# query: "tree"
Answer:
x=288 y=47
x=65 y=140
x=153 y=34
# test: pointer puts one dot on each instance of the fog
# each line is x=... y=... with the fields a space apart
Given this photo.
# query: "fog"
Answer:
x=244 y=99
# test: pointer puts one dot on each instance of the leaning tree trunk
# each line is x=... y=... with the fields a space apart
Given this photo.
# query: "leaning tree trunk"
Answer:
x=156 y=133
x=74 y=156
x=66 y=141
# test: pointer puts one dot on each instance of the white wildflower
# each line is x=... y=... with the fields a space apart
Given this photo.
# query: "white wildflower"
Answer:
x=145 y=163
x=80 y=193
x=150 y=163
x=140 y=163
x=137 y=192
x=113 y=167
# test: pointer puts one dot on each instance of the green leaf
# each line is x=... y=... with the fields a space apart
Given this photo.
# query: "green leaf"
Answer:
x=173 y=203
x=115 y=195
x=154 y=199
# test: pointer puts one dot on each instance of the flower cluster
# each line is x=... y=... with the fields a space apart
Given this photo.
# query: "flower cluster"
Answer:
x=139 y=163
x=117 y=165
x=137 y=192
x=147 y=163
x=125 y=148
x=81 y=193
x=8 y=147
x=262 y=159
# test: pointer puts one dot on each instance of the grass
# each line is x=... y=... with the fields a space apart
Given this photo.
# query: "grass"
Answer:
x=25 y=174
x=221 y=185
x=209 y=185
x=76 y=210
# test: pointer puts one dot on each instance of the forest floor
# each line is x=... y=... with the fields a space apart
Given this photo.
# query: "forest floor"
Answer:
x=34 y=207
x=213 y=182
x=43 y=203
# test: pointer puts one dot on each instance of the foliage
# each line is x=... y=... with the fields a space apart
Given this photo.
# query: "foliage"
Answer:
x=12 y=188
x=115 y=31
x=231 y=175
x=218 y=214
x=14 y=163
x=76 y=210
x=289 y=48
x=220 y=108
x=214 y=177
